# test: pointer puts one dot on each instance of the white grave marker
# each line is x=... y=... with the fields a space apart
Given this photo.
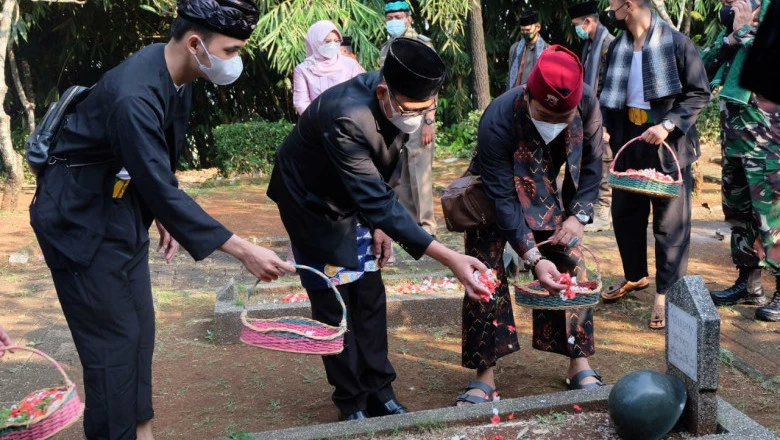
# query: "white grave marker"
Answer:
x=682 y=340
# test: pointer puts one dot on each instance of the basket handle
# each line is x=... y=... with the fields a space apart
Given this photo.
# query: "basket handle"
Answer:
x=639 y=138
x=56 y=364
x=332 y=286
x=585 y=248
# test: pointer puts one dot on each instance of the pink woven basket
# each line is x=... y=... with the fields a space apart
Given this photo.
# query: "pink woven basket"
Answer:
x=59 y=415
x=296 y=334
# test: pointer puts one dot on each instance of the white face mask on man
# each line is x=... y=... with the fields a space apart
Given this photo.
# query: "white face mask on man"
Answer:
x=222 y=72
x=407 y=124
x=547 y=130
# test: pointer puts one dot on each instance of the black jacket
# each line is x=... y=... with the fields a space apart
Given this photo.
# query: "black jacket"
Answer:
x=333 y=169
x=503 y=157
x=682 y=109
x=135 y=114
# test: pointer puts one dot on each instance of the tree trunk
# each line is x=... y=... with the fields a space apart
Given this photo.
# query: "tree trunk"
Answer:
x=660 y=6
x=685 y=26
x=479 y=56
x=29 y=107
x=11 y=159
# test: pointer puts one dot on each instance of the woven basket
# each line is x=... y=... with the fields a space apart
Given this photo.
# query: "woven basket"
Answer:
x=533 y=295
x=643 y=185
x=296 y=334
x=60 y=414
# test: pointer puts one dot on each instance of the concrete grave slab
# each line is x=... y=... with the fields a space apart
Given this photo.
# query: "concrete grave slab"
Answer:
x=692 y=350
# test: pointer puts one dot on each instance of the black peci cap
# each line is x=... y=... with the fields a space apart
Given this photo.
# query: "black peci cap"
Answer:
x=529 y=18
x=583 y=9
x=413 y=69
x=234 y=18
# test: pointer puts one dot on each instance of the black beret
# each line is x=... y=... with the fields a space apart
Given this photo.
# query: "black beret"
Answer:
x=583 y=9
x=346 y=41
x=529 y=18
x=234 y=18
x=413 y=69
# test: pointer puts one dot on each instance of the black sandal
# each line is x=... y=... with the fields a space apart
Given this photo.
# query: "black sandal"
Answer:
x=575 y=382
x=473 y=398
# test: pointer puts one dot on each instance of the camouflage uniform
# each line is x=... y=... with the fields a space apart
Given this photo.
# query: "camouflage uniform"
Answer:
x=413 y=179
x=751 y=169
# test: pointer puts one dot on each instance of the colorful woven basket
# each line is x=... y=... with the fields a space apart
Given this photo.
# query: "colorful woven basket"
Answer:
x=60 y=414
x=533 y=295
x=296 y=334
x=642 y=184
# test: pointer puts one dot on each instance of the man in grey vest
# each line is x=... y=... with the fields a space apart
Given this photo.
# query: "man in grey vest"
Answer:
x=585 y=19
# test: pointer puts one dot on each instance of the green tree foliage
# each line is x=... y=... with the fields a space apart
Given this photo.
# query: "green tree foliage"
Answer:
x=66 y=43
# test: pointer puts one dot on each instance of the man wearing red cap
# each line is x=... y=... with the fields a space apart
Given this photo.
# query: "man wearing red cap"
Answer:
x=524 y=138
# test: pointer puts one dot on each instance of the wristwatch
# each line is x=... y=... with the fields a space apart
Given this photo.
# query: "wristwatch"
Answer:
x=429 y=121
x=667 y=125
x=582 y=218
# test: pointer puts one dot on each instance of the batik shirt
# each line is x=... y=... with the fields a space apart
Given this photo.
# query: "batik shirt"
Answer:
x=367 y=262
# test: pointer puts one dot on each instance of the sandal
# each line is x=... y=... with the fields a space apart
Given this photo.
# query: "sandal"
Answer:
x=624 y=288
x=473 y=398
x=575 y=383
x=658 y=317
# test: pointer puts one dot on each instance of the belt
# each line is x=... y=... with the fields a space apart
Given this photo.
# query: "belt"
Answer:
x=80 y=160
x=639 y=116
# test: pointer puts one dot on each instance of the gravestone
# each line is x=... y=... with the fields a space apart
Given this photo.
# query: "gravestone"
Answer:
x=692 y=348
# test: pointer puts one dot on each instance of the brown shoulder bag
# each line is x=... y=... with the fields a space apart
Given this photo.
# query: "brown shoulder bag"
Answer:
x=465 y=204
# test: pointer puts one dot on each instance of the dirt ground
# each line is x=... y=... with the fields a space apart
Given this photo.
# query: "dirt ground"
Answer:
x=203 y=390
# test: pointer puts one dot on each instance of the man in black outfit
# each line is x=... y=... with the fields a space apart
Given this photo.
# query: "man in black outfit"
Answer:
x=330 y=183
x=112 y=174
x=654 y=86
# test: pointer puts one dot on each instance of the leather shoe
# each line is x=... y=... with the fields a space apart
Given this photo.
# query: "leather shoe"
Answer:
x=358 y=415
x=391 y=407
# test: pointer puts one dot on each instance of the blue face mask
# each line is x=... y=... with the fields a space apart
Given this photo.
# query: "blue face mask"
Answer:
x=396 y=27
x=582 y=33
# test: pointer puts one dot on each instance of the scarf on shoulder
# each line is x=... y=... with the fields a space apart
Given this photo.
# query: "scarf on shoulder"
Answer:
x=591 y=56
x=517 y=58
x=660 y=77
x=533 y=167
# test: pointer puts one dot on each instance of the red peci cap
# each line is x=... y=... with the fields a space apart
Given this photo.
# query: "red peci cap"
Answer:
x=556 y=80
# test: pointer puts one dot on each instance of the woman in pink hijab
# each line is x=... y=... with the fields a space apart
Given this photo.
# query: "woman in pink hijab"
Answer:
x=324 y=66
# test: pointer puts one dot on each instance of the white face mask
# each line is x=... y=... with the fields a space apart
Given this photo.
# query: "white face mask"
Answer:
x=548 y=131
x=407 y=124
x=222 y=72
x=329 y=50
x=396 y=27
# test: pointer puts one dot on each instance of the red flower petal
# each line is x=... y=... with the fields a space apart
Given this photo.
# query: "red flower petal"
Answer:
x=577 y=408
x=511 y=416
x=495 y=420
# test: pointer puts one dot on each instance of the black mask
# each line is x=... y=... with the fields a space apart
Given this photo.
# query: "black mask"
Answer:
x=613 y=21
x=727 y=18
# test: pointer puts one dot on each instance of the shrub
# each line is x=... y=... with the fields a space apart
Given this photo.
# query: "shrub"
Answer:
x=248 y=147
x=708 y=123
x=458 y=140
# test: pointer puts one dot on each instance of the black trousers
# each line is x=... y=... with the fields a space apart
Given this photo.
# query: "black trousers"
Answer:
x=109 y=309
x=362 y=372
x=671 y=218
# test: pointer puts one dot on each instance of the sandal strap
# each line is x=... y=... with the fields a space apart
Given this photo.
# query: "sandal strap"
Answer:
x=482 y=386
x=472 y=398
x=575 y=381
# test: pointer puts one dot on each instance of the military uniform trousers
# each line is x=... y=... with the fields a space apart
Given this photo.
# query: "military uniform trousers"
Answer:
x=488 y=329
x=751 y=204
x=362 y=373
x=109 y=309
x=631 y=212
x=413 y=181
